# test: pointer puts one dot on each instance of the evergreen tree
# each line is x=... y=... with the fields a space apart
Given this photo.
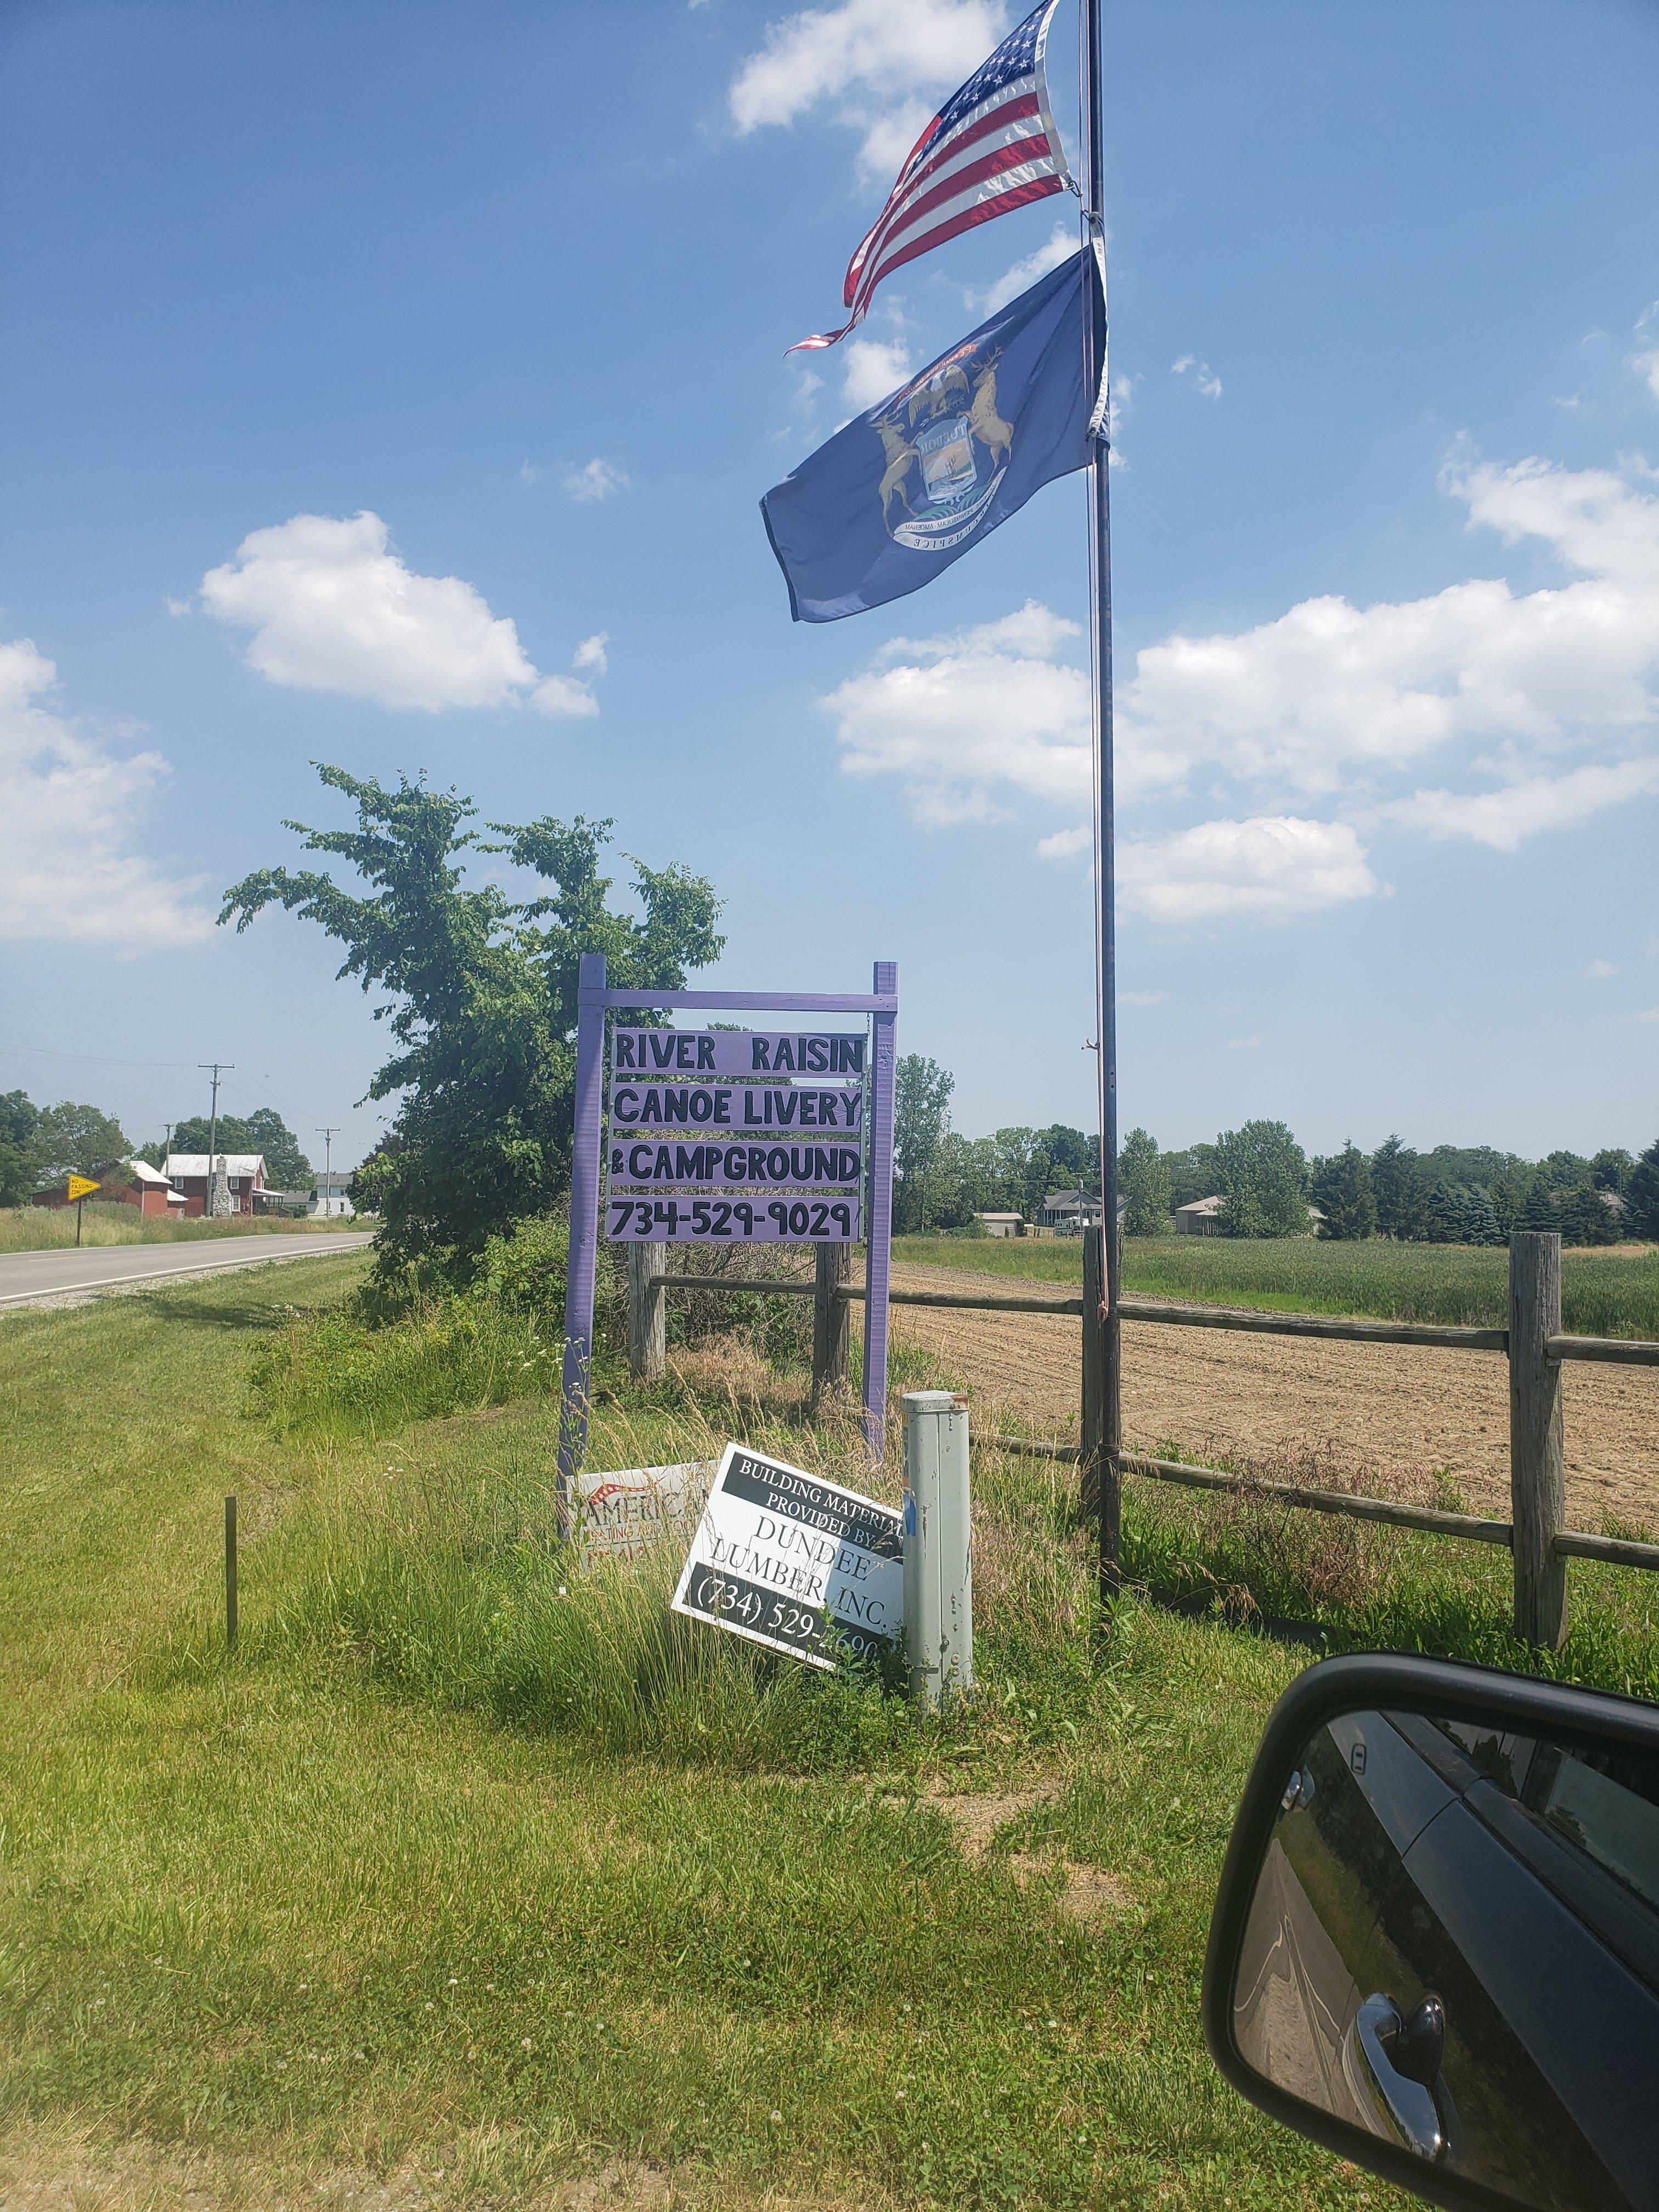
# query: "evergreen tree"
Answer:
x=1445 y=1214
x=1539 y=1209
x=1263 y=1178
x=1143 y=1181
x=1641 y=1195
x=1401 y=1191
x=1342 y=1192
x=1483 y=1226
x=1586 y=1217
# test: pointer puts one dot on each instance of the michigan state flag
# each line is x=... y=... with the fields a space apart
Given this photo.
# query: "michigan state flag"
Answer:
x=899 y=494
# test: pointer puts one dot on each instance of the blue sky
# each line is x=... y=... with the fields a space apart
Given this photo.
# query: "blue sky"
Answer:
x=498 y=298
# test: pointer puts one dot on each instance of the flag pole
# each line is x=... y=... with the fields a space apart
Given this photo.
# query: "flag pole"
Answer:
x=1107 y=1444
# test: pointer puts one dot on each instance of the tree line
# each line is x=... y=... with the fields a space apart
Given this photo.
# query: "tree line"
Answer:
x=41 y=1145
x=1268 y=1185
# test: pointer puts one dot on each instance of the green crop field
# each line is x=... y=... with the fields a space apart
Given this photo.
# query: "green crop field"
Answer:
x=1602 y=1293
x=467 y=1881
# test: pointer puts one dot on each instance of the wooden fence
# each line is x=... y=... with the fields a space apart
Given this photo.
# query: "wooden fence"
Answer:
x=1533 y=1343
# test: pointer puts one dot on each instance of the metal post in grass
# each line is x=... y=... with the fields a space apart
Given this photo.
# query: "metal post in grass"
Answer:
x=1102 y=1436
x=831 y=1320
x=938 y=1582
x=230 y=1573
x=648 y=1312
x=1537 y=1472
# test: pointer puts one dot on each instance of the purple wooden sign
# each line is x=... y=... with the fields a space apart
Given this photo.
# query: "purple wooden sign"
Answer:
x=657 y=1108
x=726 y=1217
x=736 y=1052
x=641 y=1162
x=717 y=1055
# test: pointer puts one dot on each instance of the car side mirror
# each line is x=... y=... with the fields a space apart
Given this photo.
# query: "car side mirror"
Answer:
x=1435 y=1949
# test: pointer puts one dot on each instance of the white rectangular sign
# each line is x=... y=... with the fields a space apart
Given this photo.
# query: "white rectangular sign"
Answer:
x=788 y=1560
x=621 y=1514
x=717 y=1053
x=722 y=1218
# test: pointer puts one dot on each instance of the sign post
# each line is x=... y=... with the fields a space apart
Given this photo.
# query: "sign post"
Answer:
x=729 y=1136
x=80 y=1188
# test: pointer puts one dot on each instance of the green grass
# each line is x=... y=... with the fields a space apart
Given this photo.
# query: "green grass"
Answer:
x=408 y=1887
x=50 y=1228
x=451 y=1876
x=1602 y=1293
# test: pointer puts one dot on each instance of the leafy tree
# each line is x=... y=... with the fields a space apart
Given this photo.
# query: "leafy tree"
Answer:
x=481 y=999
x=1612 y=1170
x=1401 y=1191
x=921 y=1120
x=75 y=1139
x=263 y=1131
x=19 y=1119
x=1194 y=1174
x=1565 y=1170
x=1143 y=1181
x=1263 y=1178
x=1342 y=1192
x=1641 y=1195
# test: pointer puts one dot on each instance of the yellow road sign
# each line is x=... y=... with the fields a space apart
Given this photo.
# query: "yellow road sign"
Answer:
x=82 y=1186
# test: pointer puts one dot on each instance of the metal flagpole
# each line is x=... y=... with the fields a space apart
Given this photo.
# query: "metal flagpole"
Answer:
x=1107 y=1444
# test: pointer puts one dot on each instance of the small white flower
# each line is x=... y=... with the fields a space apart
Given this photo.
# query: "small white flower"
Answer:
x=528 y=2044
x=777 y=2119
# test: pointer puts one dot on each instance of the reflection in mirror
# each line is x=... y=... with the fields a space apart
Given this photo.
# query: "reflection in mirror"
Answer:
x=1454 y=1945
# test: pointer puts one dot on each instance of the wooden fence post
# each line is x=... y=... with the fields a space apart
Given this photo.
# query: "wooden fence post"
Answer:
x=831 y=1320
x=1102 y=1436
x=1537 y=1477
x=647 y=1317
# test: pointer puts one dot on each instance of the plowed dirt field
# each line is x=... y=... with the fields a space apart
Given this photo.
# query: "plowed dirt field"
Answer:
x=1388 y=1406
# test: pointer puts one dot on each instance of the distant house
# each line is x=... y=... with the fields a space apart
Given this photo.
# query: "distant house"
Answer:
x=331 y=1198
x=1069 y=1212
x=1202 y=1218
x=150 y=1191
x=1001 y=1225
x=244 y=1173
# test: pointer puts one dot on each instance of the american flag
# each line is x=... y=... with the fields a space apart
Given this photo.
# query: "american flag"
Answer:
x=991 y=149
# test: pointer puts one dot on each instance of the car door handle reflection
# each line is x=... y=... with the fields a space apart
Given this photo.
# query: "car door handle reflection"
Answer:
x=1396 y=2106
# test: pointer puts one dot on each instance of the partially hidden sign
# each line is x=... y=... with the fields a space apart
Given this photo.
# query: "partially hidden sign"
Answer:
x=789 y=1560
x=81 y=1187
x=621 y=1515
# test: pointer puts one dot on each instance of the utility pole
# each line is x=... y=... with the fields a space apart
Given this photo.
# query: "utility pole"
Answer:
x=212 y=1126
x=328 y=1135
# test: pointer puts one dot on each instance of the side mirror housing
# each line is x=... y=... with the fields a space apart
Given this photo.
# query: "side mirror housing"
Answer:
x=1435 y=1949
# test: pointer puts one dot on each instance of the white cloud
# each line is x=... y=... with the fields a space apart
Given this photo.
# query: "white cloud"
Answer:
x=1202 y=375
x=530 y=473
x=590 y=652
x=875 y=367
x=333 y=609
x=1270 y=868
x=1651 y=1014
x=872 y=62
x=563 y=694
x=1243 y=1044
x=1141 y=998
x=1541 y=708
x=67 y=809
x=595 y=482
x=1060 y=245
x=966 y=717
x=1330 y=691
x=1503 y=818
x=1600 y=968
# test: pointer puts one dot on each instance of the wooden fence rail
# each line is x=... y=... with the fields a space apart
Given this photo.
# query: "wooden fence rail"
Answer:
x=1533 y=1343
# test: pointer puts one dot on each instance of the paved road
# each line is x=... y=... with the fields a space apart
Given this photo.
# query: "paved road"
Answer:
x=33 y=1278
